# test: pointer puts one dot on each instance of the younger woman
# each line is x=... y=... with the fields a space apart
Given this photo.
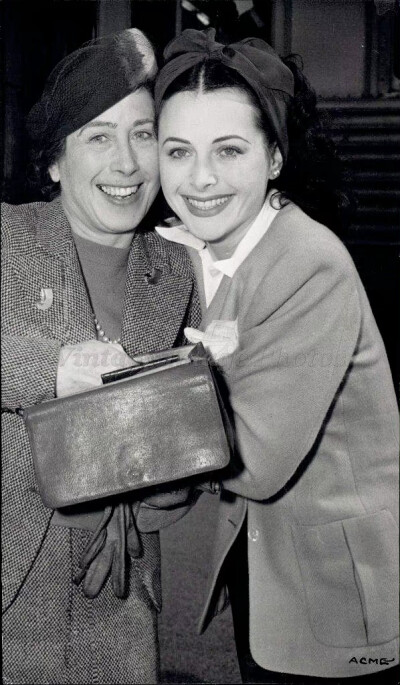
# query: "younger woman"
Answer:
x=307 y=534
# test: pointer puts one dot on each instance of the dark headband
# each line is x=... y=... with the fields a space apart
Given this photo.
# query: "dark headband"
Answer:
x=253 y=59
x=89 y=81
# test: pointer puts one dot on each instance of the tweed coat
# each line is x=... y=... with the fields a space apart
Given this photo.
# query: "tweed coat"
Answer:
x=51 y=632
x=317 y=457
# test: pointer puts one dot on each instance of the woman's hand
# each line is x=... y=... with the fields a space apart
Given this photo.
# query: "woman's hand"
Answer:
x=220 y=338
x=80 y=366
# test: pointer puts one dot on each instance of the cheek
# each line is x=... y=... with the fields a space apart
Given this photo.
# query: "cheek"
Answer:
x=165 y=170
x=253 y=179
x=148 y=163
x=71 y=179
x=169 y=177
x=79 y=171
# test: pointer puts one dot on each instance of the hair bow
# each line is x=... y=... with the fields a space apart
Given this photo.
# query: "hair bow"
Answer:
x=256 y=62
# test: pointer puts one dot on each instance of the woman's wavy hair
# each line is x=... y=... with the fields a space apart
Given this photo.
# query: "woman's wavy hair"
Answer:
x=313 y=176
x=40 y=159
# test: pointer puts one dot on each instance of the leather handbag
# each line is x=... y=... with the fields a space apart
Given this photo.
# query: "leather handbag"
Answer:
x=156 y=422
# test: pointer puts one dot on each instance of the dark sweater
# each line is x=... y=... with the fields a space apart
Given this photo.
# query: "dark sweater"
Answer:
x=104 y=269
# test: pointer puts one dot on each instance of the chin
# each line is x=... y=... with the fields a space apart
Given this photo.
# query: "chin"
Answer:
x=208 y=233
x=122 y=224
x=120 y=230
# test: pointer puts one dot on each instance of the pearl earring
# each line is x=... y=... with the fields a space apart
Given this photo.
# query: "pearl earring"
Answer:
x=275 y=173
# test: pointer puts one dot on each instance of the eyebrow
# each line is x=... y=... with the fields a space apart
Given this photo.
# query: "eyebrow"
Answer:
x=110 y=124
x=95 y=124
x=172 y=139
x=234 y=135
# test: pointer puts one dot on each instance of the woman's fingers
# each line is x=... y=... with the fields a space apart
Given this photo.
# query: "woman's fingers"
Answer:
x=81 y=366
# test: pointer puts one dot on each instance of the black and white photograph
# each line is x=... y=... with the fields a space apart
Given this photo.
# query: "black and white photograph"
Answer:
x=200 y=336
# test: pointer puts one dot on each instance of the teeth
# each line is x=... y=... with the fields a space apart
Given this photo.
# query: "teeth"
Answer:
x=117 y=191
x=207 y=204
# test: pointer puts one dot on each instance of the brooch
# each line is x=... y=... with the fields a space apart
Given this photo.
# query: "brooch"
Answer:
x=152 y=277
x=46 y=299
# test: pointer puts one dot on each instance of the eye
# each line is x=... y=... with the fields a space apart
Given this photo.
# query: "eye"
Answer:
x=98 y=138
x=178 y=153
x=230 y=152
x=143 y=136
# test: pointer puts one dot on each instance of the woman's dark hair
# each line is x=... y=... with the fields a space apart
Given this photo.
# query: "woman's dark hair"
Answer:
x=41 y=158
x=312 y=176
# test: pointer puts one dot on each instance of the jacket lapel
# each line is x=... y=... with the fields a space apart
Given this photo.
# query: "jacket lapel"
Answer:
x=224 y=304
x=39 y=288
x=54 y=302
x=155 y=308
x=219 y=299
x=55 y=238
x=158 y=290
x=217 y=304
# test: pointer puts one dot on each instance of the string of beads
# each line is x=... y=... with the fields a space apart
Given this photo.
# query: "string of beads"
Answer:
x=103 y=337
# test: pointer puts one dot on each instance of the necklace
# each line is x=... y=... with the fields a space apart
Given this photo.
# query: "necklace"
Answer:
x=102 y=335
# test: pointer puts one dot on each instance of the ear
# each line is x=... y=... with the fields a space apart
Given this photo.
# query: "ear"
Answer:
x=276 y=162
x=54 y=172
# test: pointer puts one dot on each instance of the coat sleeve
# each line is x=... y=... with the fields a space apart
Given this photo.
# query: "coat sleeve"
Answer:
x=298 y=338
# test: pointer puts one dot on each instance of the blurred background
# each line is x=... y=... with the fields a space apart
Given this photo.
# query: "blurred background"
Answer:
x=351 y=55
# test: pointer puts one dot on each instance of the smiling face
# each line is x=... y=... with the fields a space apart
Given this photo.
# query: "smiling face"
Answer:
x=215 y=164
x=109 y=171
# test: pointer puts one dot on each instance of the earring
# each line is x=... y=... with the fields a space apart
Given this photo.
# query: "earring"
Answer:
x=275 y=173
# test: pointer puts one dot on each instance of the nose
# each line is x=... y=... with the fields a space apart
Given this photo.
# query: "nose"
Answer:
x=203 y=173
x=125 y=159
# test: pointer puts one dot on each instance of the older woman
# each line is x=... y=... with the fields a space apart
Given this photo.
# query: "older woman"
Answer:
x=307 y=534
x=84 y=280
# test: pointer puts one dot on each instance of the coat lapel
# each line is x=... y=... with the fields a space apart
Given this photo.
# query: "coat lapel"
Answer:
x=155 y=309
x=55 y=238
x=39 y=289
x=218 y=303
x=54 y=302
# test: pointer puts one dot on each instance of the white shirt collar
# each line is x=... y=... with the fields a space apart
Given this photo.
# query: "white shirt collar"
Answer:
x=180 y=234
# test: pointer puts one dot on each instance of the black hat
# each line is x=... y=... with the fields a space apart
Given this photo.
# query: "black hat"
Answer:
x=89 y=81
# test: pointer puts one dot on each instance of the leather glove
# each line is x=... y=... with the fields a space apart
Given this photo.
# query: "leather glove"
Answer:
x=115 y=537
x=163 y=498
x=211 y=486
x=164 y=507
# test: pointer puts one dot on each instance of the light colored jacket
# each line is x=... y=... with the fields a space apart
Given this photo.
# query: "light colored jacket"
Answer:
x=52 y=633
x=317 y=467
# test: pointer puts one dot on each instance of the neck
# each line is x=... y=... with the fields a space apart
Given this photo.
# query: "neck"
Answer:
x=225 y=248
x=121 y=240
x=219 y=252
